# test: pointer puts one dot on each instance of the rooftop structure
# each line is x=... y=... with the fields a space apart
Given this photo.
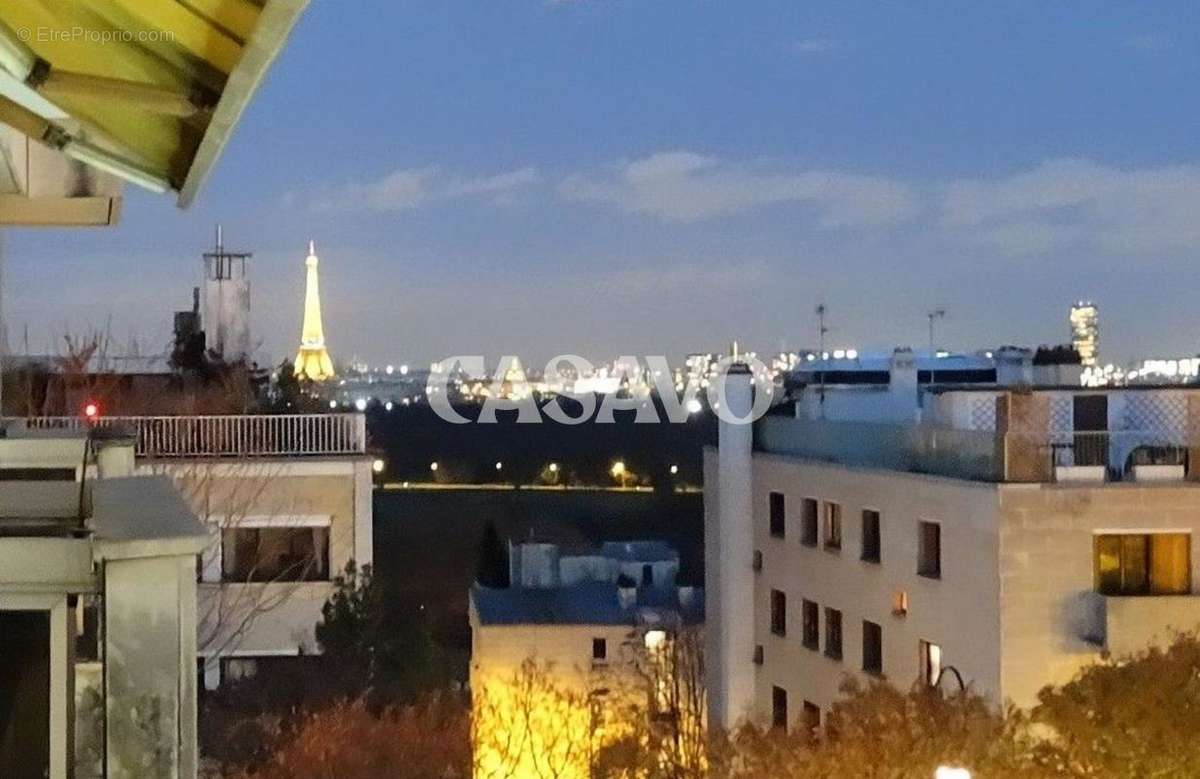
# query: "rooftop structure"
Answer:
x=1013 y=533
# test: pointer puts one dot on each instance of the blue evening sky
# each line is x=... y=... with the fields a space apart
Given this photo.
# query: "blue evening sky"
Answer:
x=610 y=177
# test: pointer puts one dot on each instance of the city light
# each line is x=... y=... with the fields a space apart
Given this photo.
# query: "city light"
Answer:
x=433 y=466
x=618 y=469
x=91 y=410
x=361 y=404
x=553 y=467
x=499 y=465
x=694 y=406
x=674 y=469
x=377 y=466
x=333 y=404
x=387 y=406
x=949 y=772
x=655 y=639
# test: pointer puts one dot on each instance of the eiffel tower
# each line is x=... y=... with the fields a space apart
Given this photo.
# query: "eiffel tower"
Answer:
x=312 y=361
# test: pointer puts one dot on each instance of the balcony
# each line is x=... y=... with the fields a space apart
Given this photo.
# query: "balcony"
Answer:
x=1128 y=624
x=232 y=436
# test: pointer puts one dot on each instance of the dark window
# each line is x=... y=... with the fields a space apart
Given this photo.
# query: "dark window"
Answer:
x=647 y=575
x=810 y=614
x=833 y=526
x=808 y=522
x=778 y=521
x=778 y=613
x=872 y=648
x=833 y=633
x=599 y=649
x=1143 y=564
x=758 y=654
x=931 y=662
x=779 y=712
x=812 y=720
x=37 y=474
x=756 y=561
x=929 y=552
x=275 y=554
x=870 y=536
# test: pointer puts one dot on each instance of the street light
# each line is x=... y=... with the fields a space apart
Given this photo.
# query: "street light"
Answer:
x=377 y=466
x=499 y=465
x=950 y=772
x=433 y=466
x=553 y=467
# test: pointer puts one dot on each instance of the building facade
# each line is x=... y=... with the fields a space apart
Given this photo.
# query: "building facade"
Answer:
x=1007 y=540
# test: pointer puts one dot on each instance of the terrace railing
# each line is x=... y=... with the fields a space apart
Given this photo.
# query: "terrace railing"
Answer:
x=231 y=435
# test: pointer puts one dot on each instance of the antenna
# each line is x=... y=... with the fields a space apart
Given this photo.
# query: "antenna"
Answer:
x=821 y=311
x=938 y=313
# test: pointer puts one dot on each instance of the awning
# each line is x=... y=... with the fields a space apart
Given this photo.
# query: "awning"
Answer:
x=147 y=91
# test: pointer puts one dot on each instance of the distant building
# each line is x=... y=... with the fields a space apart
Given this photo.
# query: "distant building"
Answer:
x=97 y=612
x=1010 y=537
x=1085 y=332
x=225 y=316
x=585 y=618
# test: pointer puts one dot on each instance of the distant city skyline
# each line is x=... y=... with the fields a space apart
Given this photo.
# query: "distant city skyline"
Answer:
x=605 y=178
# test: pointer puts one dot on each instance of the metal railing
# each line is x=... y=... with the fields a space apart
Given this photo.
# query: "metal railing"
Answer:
x=232 y=435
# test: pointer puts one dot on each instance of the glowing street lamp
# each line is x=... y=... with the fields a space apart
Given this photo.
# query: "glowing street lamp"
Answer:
x=674 y=470
x=949 y=772
x=553 y=467
x=377 y=466
x=433 y=466
x=499 y=465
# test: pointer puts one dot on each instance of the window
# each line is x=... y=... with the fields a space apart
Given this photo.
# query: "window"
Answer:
x=778 y=521
x=759 y=654
x=778 y=613
x=812 y=720
x=833 y=526
x=1143 y=564
x=870 y=536
x=929 y=550
x=900 y=603
x=810 y=612
x=872 y=648
x=808 y=522
x=833 y=633
x=779 y=712
x=275 y=554
x=599 y=650
x=756 y=561
x=931 y=663
x=647 y=575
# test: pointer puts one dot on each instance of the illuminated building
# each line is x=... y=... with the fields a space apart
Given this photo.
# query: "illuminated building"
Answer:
x=1085 y=332
x=561 y=655
x=313 y=358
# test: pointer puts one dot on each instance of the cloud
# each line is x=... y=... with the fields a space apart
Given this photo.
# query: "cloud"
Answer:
x=1150 y=42
x=815 y=46
x=682 y=186
x=411 y=188
x=1076 y=202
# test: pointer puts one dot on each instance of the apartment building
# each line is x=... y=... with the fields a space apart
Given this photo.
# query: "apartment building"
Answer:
x=97 y=614
x=561 y=646
x=1003 y=542
x=287 y=502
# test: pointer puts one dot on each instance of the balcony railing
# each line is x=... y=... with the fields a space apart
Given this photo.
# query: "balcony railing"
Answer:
x=233 y=435
x=983 y=455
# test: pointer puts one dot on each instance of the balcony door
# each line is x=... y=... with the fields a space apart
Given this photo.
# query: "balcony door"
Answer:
x=24 y=694
x=1091 y=424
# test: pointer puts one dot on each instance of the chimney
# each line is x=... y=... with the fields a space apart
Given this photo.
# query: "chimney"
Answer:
x=729 y=545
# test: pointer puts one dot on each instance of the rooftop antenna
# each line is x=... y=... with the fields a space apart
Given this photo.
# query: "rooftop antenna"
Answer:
x=822 y=329
x=936 y=314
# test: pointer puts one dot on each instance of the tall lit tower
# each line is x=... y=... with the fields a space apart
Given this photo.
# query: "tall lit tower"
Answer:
x=1085 y=332
x=313 y=358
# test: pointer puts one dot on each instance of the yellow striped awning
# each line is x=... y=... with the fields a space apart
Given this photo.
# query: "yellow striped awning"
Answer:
x=148 y=91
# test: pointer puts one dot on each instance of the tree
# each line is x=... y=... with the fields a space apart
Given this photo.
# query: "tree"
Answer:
x=1128 y=717
x=492 y=570
x=376 y=643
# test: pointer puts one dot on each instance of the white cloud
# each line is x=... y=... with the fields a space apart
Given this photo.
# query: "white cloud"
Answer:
x=682 y=186
x=1073 y=202
x=411 y=188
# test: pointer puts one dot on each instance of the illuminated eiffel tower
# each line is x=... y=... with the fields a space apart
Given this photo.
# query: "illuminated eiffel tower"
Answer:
x=313 y=358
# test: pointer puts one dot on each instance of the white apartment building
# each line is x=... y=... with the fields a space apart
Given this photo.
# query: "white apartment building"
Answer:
x=1007 y=540
x=287 y=501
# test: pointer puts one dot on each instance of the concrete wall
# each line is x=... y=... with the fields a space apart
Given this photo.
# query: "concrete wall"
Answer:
x=959 y=612
x=1048 y=602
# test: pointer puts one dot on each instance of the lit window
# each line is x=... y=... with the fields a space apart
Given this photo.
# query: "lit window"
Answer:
x=931 y=663
x=275 y=554
x=655 y=639
x=1143 y=564
x=900 y=603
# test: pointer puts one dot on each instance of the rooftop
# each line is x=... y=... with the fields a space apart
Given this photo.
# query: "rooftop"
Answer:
x=585 y=603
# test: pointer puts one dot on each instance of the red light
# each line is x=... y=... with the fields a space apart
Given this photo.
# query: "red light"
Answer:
x=92 y=411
